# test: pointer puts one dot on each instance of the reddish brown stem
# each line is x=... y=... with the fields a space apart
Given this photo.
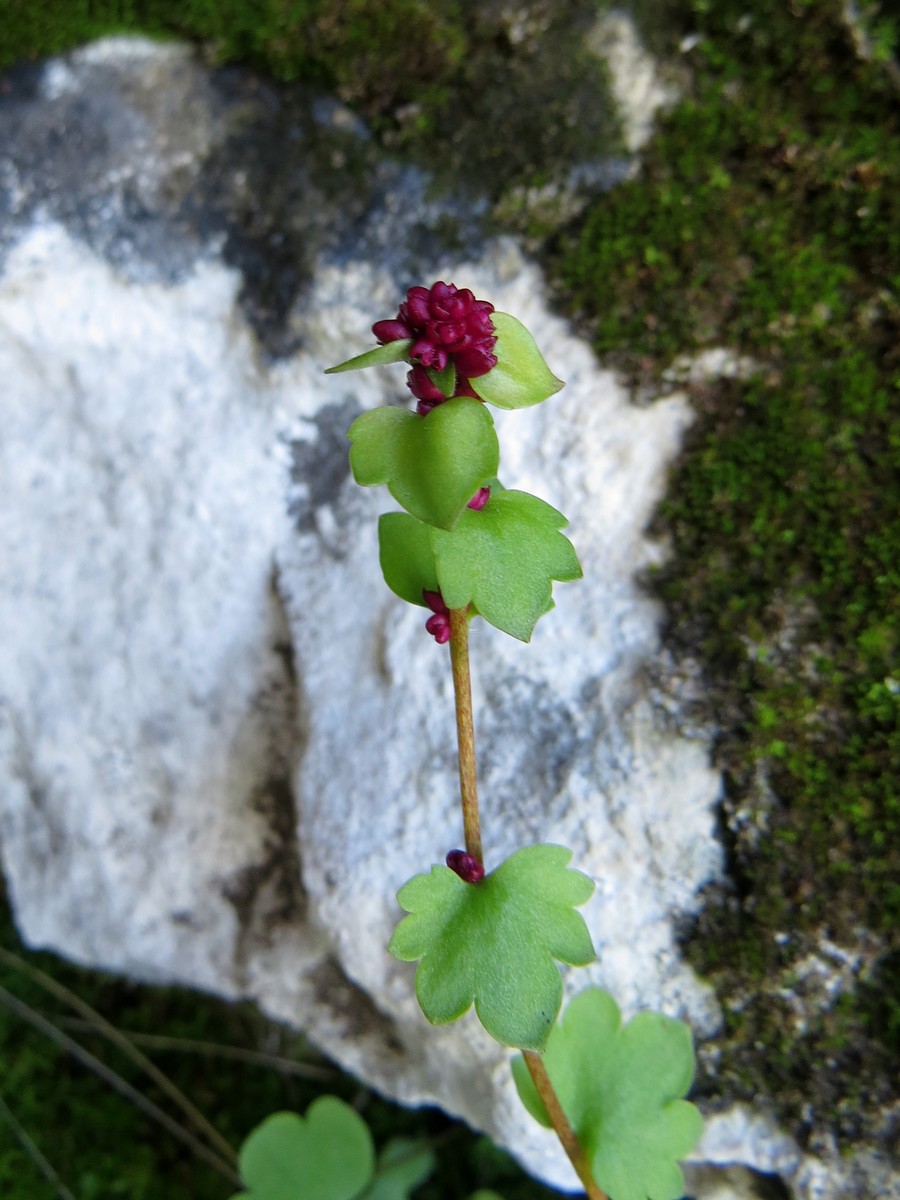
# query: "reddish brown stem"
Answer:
x=465 y=730
x=560 y=1122
x=468 y=787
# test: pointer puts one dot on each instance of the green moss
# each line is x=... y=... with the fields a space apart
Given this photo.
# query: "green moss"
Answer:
x=348 y=43
x=503 y=109
x=767 y=219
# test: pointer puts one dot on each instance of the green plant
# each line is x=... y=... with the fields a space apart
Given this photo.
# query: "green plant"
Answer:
x=466 y=547
x=328 y=1155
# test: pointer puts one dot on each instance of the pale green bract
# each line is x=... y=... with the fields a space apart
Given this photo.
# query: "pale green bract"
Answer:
x=406 y=556
x=445 y=380
x=621 y=1088
x=380 y=356
x=521 y=377
x=503 y=560
x=494 y=943
x=432 y=465
x=326 y=1155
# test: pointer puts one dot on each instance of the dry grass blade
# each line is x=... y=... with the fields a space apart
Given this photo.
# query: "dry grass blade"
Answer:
x=34 y=1152
x=26 y=1013
x=256 y=1058
x=124 y=1042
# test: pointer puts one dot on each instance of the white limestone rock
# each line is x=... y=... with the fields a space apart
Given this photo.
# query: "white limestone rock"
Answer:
x=152 y=732
x=638 y=83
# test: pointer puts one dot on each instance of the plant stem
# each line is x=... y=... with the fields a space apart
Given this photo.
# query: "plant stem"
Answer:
x=465 y=730
x=468 y=787
x=560 y=1122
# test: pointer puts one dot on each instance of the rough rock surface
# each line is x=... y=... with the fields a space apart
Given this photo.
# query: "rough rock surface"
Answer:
x=223 y=743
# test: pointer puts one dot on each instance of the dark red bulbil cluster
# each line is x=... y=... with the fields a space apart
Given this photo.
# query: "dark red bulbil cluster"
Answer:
x=466 y=867
x=429 y=394
x=438 y=625
x=446 y=324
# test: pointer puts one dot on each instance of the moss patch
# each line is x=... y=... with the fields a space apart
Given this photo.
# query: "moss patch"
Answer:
x=476 y=93
x=767 y=219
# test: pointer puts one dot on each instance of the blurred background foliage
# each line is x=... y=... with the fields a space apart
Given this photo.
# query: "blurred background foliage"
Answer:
x=232 y=1063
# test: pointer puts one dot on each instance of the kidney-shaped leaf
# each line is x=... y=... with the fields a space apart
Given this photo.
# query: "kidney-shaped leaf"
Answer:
x=493 y=943
x=521 y=377
x=504 y=559
x=433 y=465
x=621 y=1088
x=326 y=1155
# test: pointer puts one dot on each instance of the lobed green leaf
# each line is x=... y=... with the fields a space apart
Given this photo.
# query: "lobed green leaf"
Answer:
x=494 y=943
x=521 y=377
x=380 y=356
x=621 y=1088
x=326 y=1155
x=501 y=561
x=504 y=559
x=433 y=465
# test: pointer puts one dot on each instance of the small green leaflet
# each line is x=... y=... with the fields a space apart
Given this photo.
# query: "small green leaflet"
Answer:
x=503 y=559
x=403 y=1164
x=326 y=1155
x=521 y=377
x=493 y=943
x=621 y=1088
x=390 y=352
x=432 y=465
x=445 y=380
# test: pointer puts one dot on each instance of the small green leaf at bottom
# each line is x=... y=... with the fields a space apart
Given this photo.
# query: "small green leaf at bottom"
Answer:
x=403 y=1164
x=493 y=942
x=406 y=556
x=326 y=1155
x=621 y=1088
